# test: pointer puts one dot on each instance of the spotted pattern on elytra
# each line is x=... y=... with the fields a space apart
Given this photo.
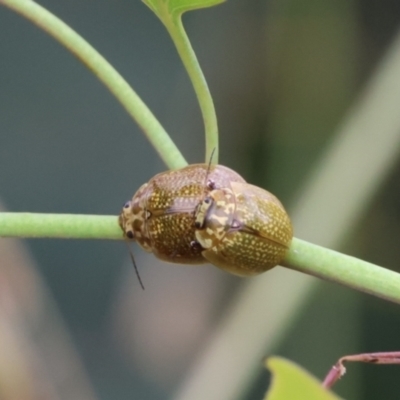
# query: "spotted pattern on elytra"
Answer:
x=160 y=216
x=202 y=214
x=244 y=230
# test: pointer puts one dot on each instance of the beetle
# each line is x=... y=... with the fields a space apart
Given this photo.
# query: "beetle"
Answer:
x=161 y=214
x=243 y=229
x=208 y=213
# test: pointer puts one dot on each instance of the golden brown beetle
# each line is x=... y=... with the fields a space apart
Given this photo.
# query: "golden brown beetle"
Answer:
x=243 y=229
x=204 y=213
x=161 y=215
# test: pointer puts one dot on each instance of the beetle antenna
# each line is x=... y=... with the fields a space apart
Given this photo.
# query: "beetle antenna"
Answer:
x=135 y=266
x=208 y=169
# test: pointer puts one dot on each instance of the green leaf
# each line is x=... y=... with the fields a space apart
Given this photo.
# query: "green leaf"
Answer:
x=177 y=7
x=289 y=381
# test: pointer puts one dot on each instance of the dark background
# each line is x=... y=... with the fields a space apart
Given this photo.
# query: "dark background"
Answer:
x=283 y=74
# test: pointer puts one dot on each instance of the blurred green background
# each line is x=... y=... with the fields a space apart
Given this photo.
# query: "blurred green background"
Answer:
x=74 y=323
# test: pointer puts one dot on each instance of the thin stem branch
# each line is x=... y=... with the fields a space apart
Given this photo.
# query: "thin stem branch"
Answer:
x=189 y=59
x=107 y=74
x=341 y=268
x=60 y=226
x=302 y=256
x=338 y=370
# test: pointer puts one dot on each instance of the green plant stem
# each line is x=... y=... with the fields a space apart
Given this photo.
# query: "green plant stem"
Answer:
x=107 y=74
x=302 y=256
x=60 y=226
x=178 y=34
x=341 y=268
